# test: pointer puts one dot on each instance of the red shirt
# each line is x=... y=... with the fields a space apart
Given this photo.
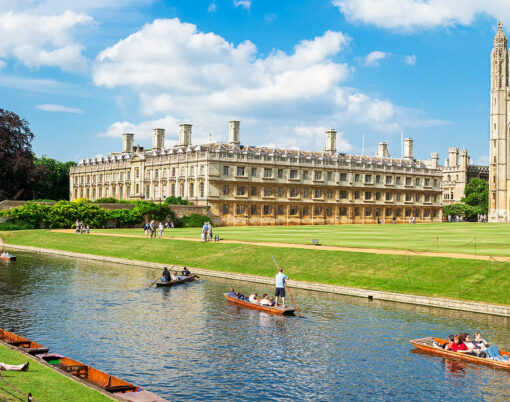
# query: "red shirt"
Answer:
x=456 y=347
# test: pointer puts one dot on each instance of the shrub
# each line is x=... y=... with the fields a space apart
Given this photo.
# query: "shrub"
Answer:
x=175 y=201
x=194 y=220
x=15 y=224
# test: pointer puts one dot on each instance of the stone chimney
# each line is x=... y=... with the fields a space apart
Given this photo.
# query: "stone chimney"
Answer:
x=446 y=164
x=158 y=138
x=382 y=150
x=464 y=159
x=408 y=148
x=330 y=141
x=184 y=134
x=453 y=156
x=127 y=143
x=434 y=160
x=233 y=132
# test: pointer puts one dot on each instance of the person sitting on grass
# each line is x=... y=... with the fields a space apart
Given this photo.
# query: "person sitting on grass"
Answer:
x=253 y=298
x=13 y=367
x=265 y=301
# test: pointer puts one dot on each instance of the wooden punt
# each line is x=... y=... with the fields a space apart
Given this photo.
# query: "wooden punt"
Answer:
x=8 y=257
x=190 y=278
x=426 y=345
x=22 y=343
x=267 y=309
x=120 y=388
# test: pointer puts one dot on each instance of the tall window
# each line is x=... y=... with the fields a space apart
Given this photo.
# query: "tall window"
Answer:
x=268 y=172
x=192 y=171
x=343 y=176
x=268 y=209
x=226 y=190
x=280 y=173
x=202 y=191
x=318 y=175
x=192 y=190
x=253 y=172
x=173 y=190
x=240 y=171
x=330 y=176
x=240 y=190
x=293 y=174
x=182 y=190
x=267 y=191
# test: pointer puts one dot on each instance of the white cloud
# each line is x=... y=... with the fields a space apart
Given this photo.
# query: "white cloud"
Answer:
x=50 y=107
x=43 y=40
x=212 y=7
x=193 y=77
x=270 y=17
x=412 y=14
x=242 y=3
x=372 y=59
x=410 y=59
x=483 y=160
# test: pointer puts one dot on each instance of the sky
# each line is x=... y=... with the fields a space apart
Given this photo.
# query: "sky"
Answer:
x=83 y=72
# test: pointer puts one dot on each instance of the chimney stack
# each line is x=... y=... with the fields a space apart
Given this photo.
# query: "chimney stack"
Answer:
x=434 y=160
x=233 y=132
x=408 y=148
x=382 y=150
x=453 y=156
x=330 y=141
x=158 y=138
x=127 y=143
x=184 y=134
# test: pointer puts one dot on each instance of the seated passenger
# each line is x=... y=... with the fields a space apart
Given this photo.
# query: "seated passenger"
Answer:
x=459 y=346
x=186 y=272
x=165 y=277
x=240 y=296
x=174 y=276
x=232 y=292
x=445 y=345
x=271 y=300
x=479 y=342
x=253 y=298
x=265 y=301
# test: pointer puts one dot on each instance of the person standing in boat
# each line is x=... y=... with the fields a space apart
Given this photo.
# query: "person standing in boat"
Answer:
x=280 y=286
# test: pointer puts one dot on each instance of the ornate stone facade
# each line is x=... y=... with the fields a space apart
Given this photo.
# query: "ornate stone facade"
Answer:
x=499 y=180
x=244 y=185
x=456 y=174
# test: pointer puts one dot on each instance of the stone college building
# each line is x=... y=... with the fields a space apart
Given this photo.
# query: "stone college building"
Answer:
x=245 y=185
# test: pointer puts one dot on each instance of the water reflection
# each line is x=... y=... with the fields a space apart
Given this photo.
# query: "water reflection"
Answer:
x=188 y=342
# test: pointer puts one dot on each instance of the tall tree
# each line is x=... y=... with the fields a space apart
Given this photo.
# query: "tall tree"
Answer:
x=477 y=194
x=18 y=174
x=54 y=184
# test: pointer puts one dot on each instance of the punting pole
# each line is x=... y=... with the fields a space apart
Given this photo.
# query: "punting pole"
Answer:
x=290 y=294
x=171 y=266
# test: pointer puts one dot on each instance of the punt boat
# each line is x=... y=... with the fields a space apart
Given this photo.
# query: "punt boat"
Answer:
x=24 y=344
x=267 y=309
x=8 y=257
x=120 y=388
x=190 y=278
x=426 y=345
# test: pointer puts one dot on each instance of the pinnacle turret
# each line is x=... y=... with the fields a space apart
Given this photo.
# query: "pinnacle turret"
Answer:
x=500 y=39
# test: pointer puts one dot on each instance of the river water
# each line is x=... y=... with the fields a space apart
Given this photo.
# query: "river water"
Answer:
x=188 y=343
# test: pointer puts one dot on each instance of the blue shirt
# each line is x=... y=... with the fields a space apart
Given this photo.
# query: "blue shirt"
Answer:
x=280 y=279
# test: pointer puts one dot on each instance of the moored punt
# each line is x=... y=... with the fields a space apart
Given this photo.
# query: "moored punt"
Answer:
x=267 y=309
x=426 y=345
x=120 y=388
x=21 y=343
x=8 y=257
x=190 y=278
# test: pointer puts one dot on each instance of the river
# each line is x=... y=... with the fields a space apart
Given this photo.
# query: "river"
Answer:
x=187 y=342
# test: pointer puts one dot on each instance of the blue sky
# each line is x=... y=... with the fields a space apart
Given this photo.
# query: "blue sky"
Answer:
x=83 y=72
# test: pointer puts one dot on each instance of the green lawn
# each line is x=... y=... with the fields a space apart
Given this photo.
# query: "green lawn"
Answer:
x=434 y=276
x=466 y=238
x=44 y=383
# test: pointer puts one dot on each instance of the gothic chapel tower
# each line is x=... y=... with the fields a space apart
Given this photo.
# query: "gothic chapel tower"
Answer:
x=499 y=170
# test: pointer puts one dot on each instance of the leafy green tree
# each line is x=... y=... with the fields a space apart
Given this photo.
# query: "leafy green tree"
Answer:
x=469 y=212
x=176 y=201
x=18 y=174
x=54 y=183
x=477 y=195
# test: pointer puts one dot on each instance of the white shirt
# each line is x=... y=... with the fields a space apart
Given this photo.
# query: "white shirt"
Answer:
x=265 y=302
x=253 y=299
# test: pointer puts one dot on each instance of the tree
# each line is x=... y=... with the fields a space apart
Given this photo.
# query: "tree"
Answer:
x=18 y=174
x=54 y=184
x=477 y=195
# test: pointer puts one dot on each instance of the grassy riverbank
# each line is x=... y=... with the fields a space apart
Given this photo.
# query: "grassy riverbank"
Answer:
x=465 y=238
x=44 y=383
x=464 y=279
